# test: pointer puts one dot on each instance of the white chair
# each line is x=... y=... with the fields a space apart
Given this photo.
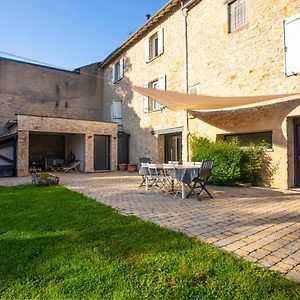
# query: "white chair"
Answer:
x=156 y=180
x=172 y=185
x=173 y=162
x=144 y=171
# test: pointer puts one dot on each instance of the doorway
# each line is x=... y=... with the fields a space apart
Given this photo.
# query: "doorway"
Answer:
x=297 y=151
x=173 y=147
x=101 y=153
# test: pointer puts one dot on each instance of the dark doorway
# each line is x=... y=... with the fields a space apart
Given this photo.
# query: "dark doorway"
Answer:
x=173 y=147
x=8 y=156
x=46 y=151
x=101 y=153
x=297 y=151
x=123 y=148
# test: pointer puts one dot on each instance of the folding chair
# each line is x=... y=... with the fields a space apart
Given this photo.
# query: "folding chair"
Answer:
x=155 y=179
x=144 y=173
x=201 y=180
x=171 y=184
x=72 y=167
x=145 y=160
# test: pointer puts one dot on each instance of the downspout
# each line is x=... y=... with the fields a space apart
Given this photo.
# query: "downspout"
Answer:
x=186 y=78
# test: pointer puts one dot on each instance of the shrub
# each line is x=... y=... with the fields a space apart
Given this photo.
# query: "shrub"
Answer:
x=232 y=163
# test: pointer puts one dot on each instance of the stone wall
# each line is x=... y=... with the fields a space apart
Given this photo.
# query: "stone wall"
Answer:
x=42 y=91
x=138 y=72
x=249 y=61
x=32 y=124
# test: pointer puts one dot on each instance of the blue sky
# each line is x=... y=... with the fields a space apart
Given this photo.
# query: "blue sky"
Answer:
x=70 y=33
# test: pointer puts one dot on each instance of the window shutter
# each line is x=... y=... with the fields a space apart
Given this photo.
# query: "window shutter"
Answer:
x=146 y=100
x=162 y=83
x=162 y=86
x=160 y=34
x=292 y=45
x=113 y=74
x=121 y=75
x=117 y=112
x=147 y=50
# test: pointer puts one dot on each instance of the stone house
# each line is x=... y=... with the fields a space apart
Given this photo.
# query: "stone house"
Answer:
x=220 y=48
x=228 y=48
x=48 y=112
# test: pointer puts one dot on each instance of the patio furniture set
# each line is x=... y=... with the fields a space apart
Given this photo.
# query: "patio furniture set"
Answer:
x=173 y=178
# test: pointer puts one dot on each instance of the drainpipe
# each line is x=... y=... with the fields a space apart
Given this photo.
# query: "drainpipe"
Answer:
x=186 y=80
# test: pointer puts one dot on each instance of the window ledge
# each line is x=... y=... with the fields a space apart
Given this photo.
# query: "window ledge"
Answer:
x=154 y=58
x=242 y=27
x=154 y=111
x=118 y=81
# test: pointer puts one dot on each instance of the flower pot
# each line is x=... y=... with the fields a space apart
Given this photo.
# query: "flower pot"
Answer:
x=122 y=167
x=45 y=179
x=132 y=167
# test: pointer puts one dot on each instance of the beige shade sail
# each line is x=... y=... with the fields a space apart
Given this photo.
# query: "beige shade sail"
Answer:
x=179 y=101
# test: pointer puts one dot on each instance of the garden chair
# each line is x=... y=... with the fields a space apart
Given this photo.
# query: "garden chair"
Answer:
x=72 y=167
x=156 y=180
x=201 y=180
x=144 y=173
x=172 y=185
x=145 y=160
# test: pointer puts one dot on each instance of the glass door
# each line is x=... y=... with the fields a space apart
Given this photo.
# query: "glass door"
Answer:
x=173 y=147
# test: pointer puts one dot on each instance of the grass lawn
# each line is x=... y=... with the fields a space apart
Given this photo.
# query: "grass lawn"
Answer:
x=59 y=244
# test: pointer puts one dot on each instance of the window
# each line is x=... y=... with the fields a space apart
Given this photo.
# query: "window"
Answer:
x=116 y=112
x=236 y=14
x=154 y=45
x=118 y=71
x=151 y=104
x=256 y=138
x=292 y=45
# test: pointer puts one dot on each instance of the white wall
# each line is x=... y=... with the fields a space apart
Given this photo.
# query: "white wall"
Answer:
x=75 y=143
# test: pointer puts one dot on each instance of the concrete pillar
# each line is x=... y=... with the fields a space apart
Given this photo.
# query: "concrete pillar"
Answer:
x=114 y=153
x=23 y=153
x=89 y=152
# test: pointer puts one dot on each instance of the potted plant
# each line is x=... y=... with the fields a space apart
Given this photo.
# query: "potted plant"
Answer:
x=44 y=179
x=122 y=167
x=132 y=167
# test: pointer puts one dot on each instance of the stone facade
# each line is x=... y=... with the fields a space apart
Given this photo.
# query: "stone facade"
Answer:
x=33 y=124
x=42 y=91
x=199 y=50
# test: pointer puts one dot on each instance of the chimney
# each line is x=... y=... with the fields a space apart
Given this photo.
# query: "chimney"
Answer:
x=148 y=16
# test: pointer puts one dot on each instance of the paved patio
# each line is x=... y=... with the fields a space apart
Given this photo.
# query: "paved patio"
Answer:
x=260 y=225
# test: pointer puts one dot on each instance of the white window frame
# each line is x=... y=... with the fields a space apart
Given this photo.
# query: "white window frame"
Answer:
x=230 y=4
x=154 y=45
x=150 y=105
x=118 y=71
x=285 y=22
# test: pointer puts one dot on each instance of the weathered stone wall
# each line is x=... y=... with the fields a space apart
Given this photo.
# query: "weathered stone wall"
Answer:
x=138 y=72
x=30 y=124
x=249 y=61
x=37 y=90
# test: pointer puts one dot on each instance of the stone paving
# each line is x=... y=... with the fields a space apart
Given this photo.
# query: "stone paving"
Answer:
x=258 y=224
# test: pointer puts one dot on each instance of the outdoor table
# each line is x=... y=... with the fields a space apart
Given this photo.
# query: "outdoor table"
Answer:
x=184 y=174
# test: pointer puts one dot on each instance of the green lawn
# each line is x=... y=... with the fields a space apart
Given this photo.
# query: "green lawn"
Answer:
x=58 y=244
